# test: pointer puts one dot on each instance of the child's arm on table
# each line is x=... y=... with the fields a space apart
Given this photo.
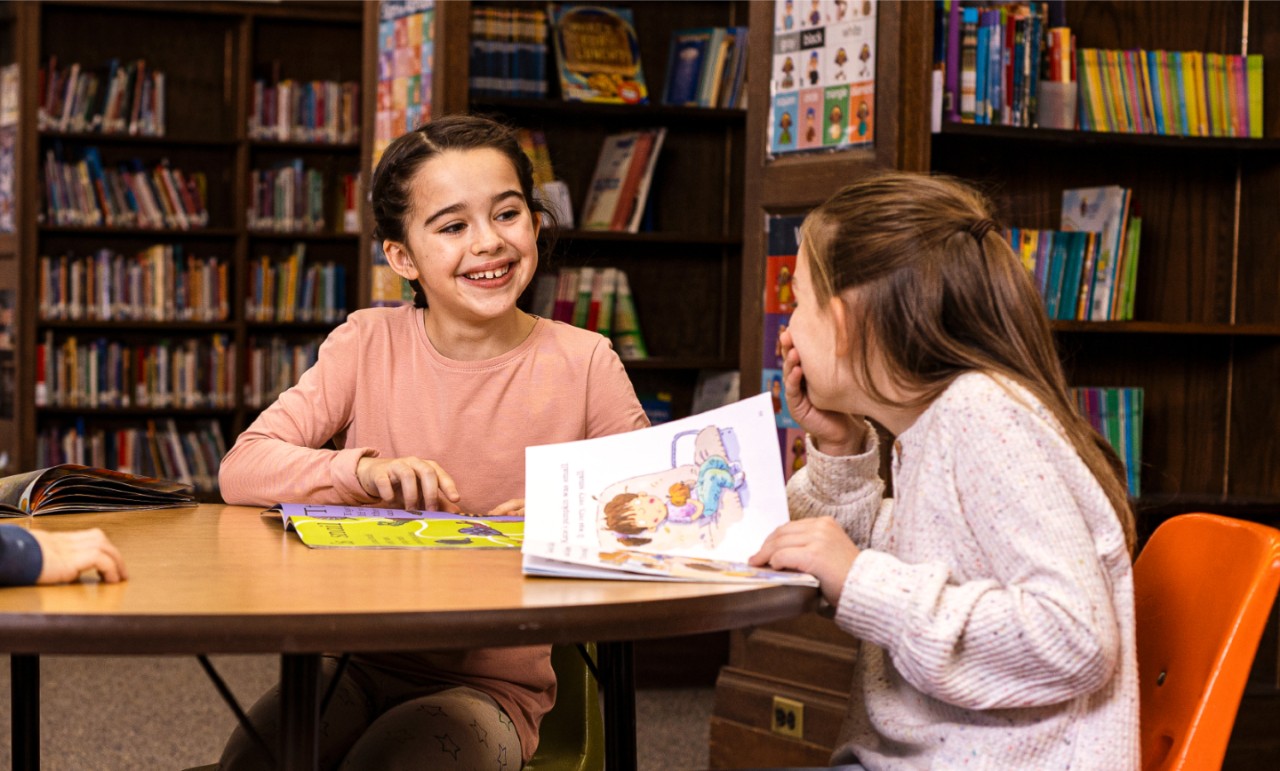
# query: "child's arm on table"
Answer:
x=46 y=557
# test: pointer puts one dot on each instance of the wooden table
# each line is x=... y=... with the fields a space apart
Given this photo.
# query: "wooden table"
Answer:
x=225 y=579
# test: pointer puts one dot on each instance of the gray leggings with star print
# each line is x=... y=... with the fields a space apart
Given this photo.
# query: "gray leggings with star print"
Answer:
x=375 y=720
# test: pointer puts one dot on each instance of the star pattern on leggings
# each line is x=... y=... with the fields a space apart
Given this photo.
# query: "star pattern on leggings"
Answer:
x=502 y=756
x=504 y=720
x=433 y=710
x=482 y=736
x=448 y=746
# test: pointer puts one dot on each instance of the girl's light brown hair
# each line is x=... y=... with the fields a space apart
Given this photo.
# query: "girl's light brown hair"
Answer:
x=940 y=293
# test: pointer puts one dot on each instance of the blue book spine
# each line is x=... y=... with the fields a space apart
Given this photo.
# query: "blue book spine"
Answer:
x=982 y=108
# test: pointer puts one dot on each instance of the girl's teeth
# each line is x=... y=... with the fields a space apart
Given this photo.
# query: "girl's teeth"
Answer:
x=488 y=274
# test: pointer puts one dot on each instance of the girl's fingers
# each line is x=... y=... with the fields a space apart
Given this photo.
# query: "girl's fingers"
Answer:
x=445 y=482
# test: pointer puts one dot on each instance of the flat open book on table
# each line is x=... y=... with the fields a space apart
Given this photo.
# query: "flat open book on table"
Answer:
x=689 y=500
x=327 y=527
x=70 y=488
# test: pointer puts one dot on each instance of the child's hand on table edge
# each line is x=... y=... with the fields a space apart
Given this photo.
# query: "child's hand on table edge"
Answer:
x=817 y=546
x=66 y=555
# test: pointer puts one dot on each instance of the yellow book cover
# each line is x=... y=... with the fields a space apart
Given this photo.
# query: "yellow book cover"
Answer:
x=327 y=527
x=1118 y=106
x=1097 y=99
x=1193 y=64
x=1253 y=71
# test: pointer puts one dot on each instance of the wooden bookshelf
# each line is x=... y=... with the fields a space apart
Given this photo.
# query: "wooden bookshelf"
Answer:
x=1203 y=345
x=210 y=52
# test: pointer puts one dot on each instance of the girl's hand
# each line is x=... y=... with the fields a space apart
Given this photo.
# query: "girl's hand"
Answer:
x=67 y=555
x=512 y=508
x=412 y=482
x=835 y=433
x=816 y=546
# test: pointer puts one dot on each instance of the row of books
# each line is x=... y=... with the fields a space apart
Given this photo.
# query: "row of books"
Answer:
x=598 y=299
x=1088 y=269
x=287 y=198
x=1116 y=414
x=991 y=55
x=84 y=193
x=273 y=365
x=707 y=67
x=620 y=183
x=292 y=289
x=508 y=52
x=159 y=283
x=1187 y=93
x=321 y=111
x=192 y=373
x=552 y=192
x=157 y=449
x=118 y=98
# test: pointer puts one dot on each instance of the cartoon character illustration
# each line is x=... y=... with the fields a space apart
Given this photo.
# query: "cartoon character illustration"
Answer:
x=866 y=7
x=691 y=503
x=813 y=68
x=788 y=67
x=784 y=124
x=777 y=346
x=775 y=391
x=798 y=454
x=863 y=112
x=783 y=286
x=840 y=60
x=788 y=14
x=864 y=56
x=842 y=8
x=836 y=119
x=810 y=125
x=815 y=15
x=696 y=568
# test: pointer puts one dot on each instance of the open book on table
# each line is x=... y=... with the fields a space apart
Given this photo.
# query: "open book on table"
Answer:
x=71 y=488
x=689 y=500
x=326 y=527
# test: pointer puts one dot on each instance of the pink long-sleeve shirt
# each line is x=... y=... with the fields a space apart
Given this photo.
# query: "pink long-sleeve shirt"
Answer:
x=379 y=388
x=993 y=595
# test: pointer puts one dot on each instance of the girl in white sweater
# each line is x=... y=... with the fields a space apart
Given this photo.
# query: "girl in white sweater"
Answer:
x=993 y=592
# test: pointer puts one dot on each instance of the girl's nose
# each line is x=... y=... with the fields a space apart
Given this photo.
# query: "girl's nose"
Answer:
x=487 y=241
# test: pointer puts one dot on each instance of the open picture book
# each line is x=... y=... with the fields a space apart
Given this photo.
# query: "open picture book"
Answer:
x=71 y=488
x=329 y=527
x=688 y=500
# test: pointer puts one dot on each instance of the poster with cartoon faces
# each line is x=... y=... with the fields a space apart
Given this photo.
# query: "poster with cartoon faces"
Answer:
x=823 y=83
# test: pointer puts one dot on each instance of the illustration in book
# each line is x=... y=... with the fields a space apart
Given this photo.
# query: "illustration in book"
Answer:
x=329 y=526
x=660 y=501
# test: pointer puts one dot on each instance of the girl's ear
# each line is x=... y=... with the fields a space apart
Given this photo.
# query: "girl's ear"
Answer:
x=839 y=315
x=399 y=260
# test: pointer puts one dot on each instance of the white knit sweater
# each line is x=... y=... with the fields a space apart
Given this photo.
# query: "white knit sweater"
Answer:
x=993 y=595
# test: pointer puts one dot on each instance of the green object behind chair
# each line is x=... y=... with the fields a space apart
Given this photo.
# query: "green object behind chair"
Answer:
x=572 y=734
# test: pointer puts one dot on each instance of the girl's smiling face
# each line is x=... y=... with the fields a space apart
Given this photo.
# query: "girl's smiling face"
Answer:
x=472 y=241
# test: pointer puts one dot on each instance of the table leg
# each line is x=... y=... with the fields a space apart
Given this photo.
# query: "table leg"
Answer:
x=617 y=667
x=299 y=711
x=24 y=713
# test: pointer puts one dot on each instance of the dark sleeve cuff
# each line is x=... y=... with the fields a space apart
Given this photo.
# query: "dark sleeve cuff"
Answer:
x=20 y=557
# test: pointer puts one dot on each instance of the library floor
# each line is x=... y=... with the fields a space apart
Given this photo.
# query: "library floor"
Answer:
x=123 y=713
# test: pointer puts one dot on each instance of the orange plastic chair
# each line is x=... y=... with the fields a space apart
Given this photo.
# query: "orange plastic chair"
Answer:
x=1203 y=586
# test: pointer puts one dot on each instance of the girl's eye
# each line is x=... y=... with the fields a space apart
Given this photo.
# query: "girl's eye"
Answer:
x=453 y=227
x=508 y=215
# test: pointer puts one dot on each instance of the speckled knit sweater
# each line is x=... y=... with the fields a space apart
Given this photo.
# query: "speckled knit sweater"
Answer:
x=993 y=596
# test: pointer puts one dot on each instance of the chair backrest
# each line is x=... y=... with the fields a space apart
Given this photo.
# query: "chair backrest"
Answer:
x=1203 y=587
x=572 y=734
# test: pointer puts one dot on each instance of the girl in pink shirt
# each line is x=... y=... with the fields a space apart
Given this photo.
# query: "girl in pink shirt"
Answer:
x=993 y=593
x=431 y=407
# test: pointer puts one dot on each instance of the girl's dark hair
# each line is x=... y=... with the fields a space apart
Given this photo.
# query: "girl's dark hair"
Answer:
x=392 y=191
x=941 y=293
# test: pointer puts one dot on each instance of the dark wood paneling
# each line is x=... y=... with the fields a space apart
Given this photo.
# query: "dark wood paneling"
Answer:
x=1255 y=418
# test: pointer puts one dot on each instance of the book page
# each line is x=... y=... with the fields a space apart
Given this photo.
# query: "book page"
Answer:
x=703 y=487
x=333 y=526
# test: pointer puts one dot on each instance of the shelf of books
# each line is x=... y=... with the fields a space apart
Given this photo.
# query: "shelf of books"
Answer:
x=197 y=221
x=1151 y=133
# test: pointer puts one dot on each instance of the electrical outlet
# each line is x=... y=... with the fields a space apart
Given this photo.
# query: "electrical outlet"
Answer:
x=788 y=717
